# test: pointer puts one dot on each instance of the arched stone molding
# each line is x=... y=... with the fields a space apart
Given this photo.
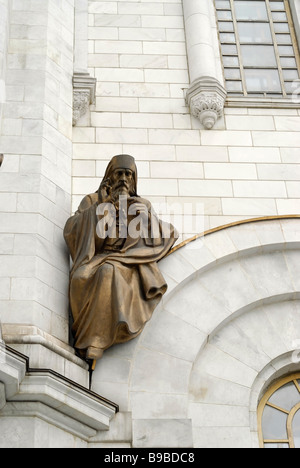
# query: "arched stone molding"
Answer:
x=232 y=310
x=225 y=376
x=206 y=95
x=283 y=365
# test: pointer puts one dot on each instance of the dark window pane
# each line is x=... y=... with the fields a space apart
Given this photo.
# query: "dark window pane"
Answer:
x=279 y=445
x=279 y=16
x=296 y=429
x=226 y=26
x=224 y=15
x=232 y=74
x=290 y=88
x=234 y=86
x=286 y=397
x=228 y=37
x=286 y=50
x=258 y=56
x=254 y=10
x=229 y=49
x=265 y=81
x=283 y=38
x=277 y=6
x=288 y=62
x=281 y=28
x=290 y=74
x=274 y=424
x=255 y=32
x=224 y=4
x=230 y=61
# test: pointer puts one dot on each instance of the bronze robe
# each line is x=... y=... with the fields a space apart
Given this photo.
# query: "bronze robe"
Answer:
x=113 y=293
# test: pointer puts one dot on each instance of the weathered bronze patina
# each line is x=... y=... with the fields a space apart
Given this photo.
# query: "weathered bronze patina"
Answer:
x=115 y=241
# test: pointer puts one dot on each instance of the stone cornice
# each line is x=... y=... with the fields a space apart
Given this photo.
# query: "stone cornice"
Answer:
x=42 y=391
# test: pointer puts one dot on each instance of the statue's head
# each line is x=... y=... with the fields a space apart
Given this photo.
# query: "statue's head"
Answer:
x=121 y=176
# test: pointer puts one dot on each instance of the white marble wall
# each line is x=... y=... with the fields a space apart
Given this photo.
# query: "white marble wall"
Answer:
x=35 y=178
x=229 y=323
x=42 y=409
x=248 y=166
x=227 y=327
x=4 y=26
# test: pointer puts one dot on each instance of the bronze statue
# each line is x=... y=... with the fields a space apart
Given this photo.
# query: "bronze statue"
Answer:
x=115 y=240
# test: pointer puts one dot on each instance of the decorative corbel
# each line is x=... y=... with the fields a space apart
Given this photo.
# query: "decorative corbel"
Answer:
x=84 y=92
x=206 y=99
x=206 y=95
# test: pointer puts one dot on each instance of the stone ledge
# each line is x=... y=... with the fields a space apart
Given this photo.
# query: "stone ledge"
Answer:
x=53 y=417
x=46 y=352
x=12 y=369
x=66 y=397
x=20 y=334
x=40 y=391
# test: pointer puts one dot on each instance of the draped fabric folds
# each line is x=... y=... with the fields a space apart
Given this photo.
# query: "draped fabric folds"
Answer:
x=113 y=292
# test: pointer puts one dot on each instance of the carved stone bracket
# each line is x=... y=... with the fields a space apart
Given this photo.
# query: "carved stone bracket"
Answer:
x=206 y=99
x=84 y=91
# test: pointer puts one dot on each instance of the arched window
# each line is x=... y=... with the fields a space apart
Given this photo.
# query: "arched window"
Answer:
x=259 y=47
x=279 y=414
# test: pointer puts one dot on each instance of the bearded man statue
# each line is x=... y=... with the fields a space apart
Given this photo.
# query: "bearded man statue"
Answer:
x=115 y=240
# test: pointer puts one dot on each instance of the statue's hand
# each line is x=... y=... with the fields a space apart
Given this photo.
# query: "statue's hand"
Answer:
x=139 y=209
x=104 y=193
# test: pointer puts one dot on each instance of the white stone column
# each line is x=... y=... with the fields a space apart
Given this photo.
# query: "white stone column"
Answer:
x=35 y=183
x=81 y=36
x=4 y=31
x=295 y=9
x=84 y=85
x=206 y=95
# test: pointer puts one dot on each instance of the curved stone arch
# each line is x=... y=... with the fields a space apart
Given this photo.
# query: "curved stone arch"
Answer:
x=215 y=281
x=231 y=374
x=283 y=365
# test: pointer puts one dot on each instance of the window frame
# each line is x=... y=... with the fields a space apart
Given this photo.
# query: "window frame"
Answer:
x=264 y=402
x=283 y=98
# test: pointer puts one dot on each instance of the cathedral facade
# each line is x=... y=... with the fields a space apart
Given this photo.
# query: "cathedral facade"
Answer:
x=205 y=95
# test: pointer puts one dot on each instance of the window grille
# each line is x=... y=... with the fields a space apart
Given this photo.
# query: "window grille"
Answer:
x=279 y=414
x=259 y=47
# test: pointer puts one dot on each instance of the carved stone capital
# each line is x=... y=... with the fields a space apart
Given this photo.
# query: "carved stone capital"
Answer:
x=206 y=99
x=84 y=91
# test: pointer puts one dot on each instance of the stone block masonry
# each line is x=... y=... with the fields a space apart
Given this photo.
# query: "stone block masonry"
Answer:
x=35 y=178
x=248 y=166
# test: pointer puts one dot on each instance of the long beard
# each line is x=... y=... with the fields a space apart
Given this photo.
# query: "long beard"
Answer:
x=121 y=191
